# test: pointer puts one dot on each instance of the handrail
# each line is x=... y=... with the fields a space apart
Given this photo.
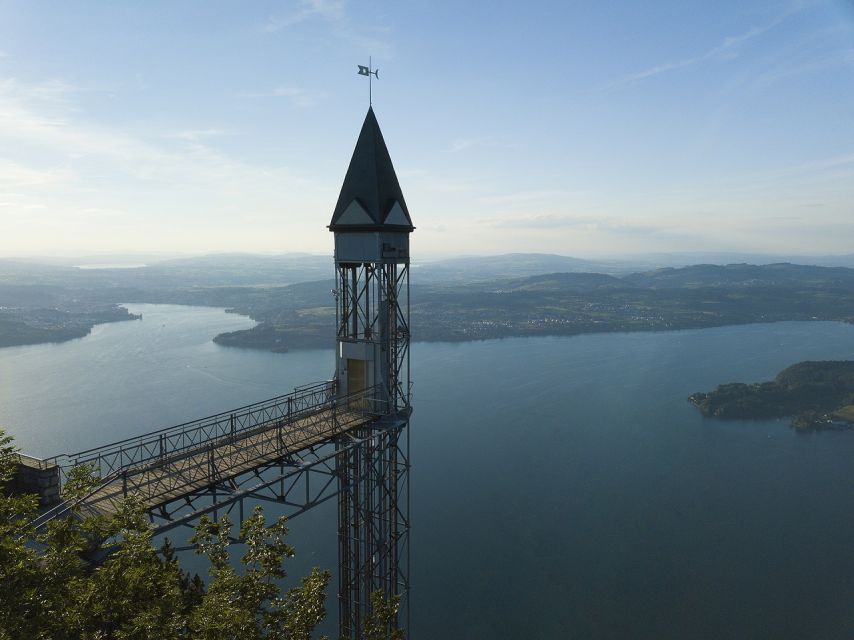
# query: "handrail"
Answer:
x=178 y=448
x=180 y=440
x=299 y=391
x=64 y=507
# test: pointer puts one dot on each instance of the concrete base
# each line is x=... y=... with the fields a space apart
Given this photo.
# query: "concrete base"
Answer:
x=39 y=477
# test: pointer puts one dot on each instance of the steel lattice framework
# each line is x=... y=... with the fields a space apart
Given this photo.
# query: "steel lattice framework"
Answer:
x=373 y=504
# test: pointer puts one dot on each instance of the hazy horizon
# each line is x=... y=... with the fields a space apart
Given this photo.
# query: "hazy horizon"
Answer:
x=590 y=262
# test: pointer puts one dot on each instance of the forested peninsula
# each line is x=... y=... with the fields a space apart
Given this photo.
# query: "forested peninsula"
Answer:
x=817 y=395
x=23 y=325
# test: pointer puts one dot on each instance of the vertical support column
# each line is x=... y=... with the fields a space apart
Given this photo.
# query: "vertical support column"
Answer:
x=373 y=475
x=371 y=527
x=349 y=556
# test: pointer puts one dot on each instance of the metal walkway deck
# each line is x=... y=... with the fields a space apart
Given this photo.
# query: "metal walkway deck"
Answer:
x=180 y=462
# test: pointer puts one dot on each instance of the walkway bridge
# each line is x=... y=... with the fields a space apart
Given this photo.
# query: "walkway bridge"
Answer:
x=286 y=450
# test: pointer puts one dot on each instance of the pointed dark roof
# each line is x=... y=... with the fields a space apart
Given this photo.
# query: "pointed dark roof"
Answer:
x=370 y=198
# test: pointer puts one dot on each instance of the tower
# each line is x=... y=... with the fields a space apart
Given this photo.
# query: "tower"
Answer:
x=371 y=224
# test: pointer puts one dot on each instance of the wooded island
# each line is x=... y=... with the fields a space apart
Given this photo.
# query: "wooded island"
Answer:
x=819 y=395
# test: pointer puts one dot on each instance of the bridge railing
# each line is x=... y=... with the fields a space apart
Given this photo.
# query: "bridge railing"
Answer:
x=157 y=466
x=114 y=458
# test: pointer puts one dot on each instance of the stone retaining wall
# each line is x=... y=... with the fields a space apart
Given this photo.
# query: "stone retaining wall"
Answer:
x=37 y=476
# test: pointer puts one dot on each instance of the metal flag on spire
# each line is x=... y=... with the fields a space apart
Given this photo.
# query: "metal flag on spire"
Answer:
x=367 y=71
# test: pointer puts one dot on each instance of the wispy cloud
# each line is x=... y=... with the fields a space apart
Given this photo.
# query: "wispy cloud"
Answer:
x=330 y=10
x=825 y=163
x=56 y=165
x=297 y=96
x=571 y=221
x=333 y=13
x=529 y=198
x=817 y=63
x=465 y=144
x=728 y=48
x=542 y=221
x=835 y=174
x=197 y=135
x=14 y=175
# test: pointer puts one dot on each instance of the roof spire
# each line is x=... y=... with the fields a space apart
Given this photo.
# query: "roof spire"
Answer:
x=371 y=198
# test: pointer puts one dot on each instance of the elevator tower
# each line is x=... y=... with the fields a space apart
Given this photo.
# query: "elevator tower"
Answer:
x=371 y=224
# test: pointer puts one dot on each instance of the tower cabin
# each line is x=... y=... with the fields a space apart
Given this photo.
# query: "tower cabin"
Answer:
x=371 y=224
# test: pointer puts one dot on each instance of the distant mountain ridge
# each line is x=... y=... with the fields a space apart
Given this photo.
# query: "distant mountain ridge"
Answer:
x=577 y=282
x=241 y=269
x=744 y=275
x=690 y=277
x=449 y=304
x=510 y=265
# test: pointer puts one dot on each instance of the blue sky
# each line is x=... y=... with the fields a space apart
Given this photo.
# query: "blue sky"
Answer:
x=580 y=128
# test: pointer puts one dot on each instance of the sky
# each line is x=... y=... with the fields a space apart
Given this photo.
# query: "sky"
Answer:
x=579 y=128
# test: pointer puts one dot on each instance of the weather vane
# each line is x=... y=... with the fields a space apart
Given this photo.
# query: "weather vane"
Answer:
x=367 y=71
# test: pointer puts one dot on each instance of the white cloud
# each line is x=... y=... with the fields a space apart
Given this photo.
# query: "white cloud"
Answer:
x=464 y=144
x=824 y=163
x=529 y=198
x=555 y=221
x=334 y=14
x=124 y=190
x=195 y=135
x=297 y=96
x=802 y=64
x=14 y=175
x=62 y=137
x=727 y=49
x=330 y=10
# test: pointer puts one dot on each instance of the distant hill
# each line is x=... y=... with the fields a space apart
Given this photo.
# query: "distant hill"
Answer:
x=510 y=265
x=246 y=269
x=649 y=261
x=731 y=276
x=744 y=275
x=219 y=270
x=568 y=282
x=461 y=299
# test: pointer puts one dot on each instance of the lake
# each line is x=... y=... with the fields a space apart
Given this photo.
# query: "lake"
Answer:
x=561 y=487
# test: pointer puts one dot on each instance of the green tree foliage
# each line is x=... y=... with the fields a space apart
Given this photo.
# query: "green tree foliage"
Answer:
x=798 y=389
x=247 y=604
x=49 y=589
x=379 y=625
x=18 y=569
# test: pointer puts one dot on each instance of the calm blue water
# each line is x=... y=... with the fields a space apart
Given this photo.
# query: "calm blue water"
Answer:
x=562 y=487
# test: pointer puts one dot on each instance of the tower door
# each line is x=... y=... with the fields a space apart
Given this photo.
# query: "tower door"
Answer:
x=357 y=376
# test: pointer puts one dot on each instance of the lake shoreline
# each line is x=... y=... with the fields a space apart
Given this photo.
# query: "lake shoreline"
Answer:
x=25 y=327
x=266 y=338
